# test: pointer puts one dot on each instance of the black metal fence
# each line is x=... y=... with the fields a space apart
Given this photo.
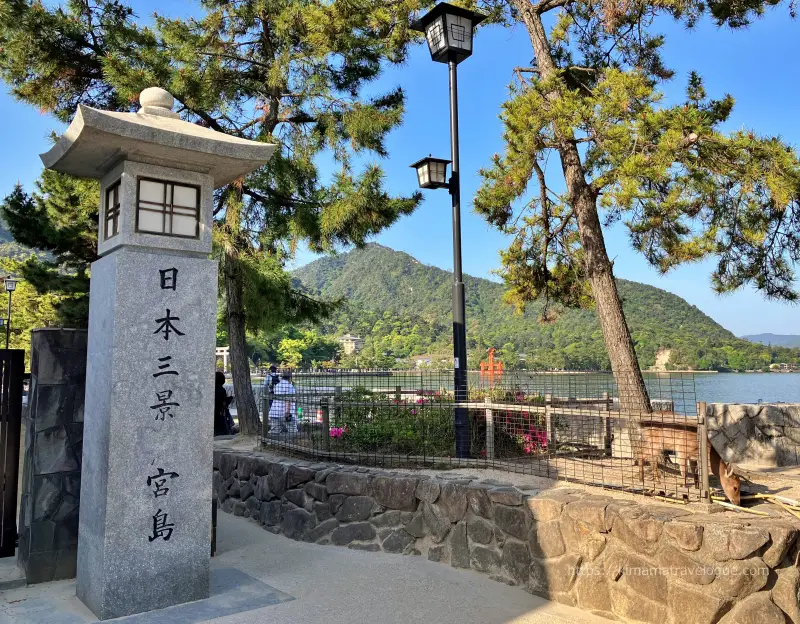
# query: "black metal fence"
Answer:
x=582 y=427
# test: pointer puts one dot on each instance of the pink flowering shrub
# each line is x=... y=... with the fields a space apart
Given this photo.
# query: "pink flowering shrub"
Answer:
x=338 y=432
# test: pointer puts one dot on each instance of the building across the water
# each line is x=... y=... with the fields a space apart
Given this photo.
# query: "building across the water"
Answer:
x=351 y=344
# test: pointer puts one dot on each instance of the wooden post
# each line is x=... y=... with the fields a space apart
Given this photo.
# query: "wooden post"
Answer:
x=606 y=425
x=398 y=393
x=702 y=461
x=548 y=419
x=489 y=428
x=326 y=423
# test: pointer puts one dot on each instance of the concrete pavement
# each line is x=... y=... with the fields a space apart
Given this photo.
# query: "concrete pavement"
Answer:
x=262 y=578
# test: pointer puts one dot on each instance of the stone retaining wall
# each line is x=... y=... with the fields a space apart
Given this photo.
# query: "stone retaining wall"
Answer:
x=763 y=434
x=619 y=559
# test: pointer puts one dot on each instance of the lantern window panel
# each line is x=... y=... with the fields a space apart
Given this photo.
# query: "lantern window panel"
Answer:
x=435 y=35
x=168 y=208
x=459 y=31
x=111 y=222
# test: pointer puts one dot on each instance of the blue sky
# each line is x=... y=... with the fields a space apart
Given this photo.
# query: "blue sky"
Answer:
x=756 y=66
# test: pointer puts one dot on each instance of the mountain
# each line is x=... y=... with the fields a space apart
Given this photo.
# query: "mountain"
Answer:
x=778 y=340
x=402 y=308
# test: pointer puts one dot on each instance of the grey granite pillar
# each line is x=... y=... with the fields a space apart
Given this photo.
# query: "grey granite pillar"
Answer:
x=48 y=524
x=145 y=521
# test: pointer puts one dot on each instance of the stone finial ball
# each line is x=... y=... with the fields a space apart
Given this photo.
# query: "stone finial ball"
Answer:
x=156 y=97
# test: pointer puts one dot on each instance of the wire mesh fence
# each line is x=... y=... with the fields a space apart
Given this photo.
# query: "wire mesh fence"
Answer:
x=590 y=428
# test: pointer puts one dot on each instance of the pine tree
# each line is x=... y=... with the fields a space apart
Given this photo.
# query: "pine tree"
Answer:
x=290 y=72
x=59 y=218
x=684 y=189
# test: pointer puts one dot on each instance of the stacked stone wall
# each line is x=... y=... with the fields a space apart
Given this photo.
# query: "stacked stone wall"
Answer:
x=619 y=559
x=762 y=434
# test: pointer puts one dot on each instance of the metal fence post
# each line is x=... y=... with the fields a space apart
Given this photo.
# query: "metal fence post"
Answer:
x=606 y=425
x=702 y=461
x=489 y=428
x=548 y=420
x=326 y=423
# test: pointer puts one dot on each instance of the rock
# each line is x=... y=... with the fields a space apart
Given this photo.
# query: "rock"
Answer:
x=244 y=467
x=271 y=513
x=322 y=475
x=592 y=545
x=365 y=547
x=322 y=511
x=453 y=501
x=395 y=492
x=645 y=579
x=216 y=485
x=262 y=491
x=786 y=593
x=545 y=509
x=438 y=553
x=234 y=490
x=690 y=604
x=253 y=506
x=277 y=478
x=384 y=533
x=629 y=605
x=417 y=526
x=348 y=483
x=545 y=540
x=558 y=574
x=427 y=491
x=298 y=475
x=296 y=522
x=516 y=561
x=336 y=501
x=387 y=519
x=321 y=530
x=480 y=531
x=484 y=559
x=678 y=565
x=459 y=549
x=260 y=467
x=755 y=609
x=436 y=520
x=722 y=542
x=227 y=506
x=512 y=520
x=782 y=538
x=591 y=589
x=591 y=512
x=357 y=532
x=506 y=496
x=296 y=497
x=356 y=508
x=479 y=503
x=737 y=579
x=687 y=536
x=398 y=541
x=316 y=491
x=227 y=464
x=239 y=508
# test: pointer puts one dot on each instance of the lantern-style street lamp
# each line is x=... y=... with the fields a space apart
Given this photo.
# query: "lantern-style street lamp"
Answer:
x=449 y=30
x=11 y=286
x=431 y=172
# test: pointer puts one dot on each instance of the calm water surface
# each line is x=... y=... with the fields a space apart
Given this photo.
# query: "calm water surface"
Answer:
x=748 y=387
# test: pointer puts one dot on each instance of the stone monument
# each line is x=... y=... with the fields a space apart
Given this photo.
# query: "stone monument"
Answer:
x=145 y=506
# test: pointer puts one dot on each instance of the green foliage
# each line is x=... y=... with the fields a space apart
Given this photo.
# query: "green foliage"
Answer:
x=59 y=218
x=402 y=308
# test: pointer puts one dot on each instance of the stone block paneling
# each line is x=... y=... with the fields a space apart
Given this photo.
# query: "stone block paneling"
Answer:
x=618 y=559
x=763 y=434
x=51 y=484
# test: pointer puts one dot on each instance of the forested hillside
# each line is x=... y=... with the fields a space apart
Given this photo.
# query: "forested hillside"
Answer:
x=779 y=340
x=402 y=308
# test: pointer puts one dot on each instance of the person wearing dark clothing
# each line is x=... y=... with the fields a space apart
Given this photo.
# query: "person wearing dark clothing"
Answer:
x=221 y=402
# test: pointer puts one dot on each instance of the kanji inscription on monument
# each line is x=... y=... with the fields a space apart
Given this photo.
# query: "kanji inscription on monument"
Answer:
x=146 y=485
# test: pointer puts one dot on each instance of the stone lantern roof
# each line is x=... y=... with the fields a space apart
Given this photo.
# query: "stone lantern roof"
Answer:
x=97 y=140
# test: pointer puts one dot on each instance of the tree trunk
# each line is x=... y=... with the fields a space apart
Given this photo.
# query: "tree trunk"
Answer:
x=616 y=335
x=246 y=408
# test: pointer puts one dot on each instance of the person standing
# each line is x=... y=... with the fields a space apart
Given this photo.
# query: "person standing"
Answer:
x=283 y=412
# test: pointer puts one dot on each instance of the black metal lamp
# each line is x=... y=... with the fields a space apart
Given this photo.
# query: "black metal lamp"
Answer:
x=432 y=172
x=448 y=30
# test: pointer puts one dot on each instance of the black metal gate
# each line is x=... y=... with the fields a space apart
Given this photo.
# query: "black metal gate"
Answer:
x=12 y=369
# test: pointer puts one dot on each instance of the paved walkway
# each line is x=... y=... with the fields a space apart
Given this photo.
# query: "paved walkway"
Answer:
x=298 y=583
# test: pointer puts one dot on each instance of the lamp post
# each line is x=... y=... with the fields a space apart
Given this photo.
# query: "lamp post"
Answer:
x=448 y=31
x=11 y=286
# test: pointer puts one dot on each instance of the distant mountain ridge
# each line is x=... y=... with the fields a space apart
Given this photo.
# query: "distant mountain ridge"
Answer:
x=779 y=340
x=402 y=308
